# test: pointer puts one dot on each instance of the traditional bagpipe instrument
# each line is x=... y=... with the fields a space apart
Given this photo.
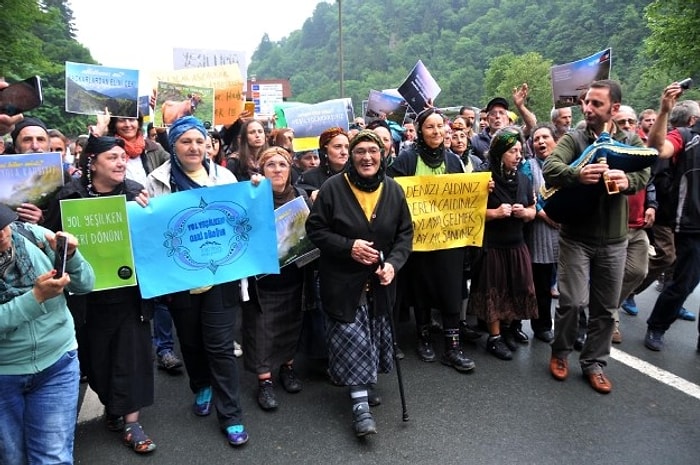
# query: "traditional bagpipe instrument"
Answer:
x=574 y=203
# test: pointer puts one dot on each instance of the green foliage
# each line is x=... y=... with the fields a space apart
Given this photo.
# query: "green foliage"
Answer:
x=675 y=36
x=460 y=41
x=508 y=71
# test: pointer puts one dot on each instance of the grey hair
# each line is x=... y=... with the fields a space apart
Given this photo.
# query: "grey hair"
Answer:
x=682 y=112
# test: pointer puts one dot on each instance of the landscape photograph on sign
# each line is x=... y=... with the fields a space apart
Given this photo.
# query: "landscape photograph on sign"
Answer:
x=92 y=88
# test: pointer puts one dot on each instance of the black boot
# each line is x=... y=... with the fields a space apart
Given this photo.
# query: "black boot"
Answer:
x=453 y=355
x=467 y=333
x=425 y=346
x=507 y=337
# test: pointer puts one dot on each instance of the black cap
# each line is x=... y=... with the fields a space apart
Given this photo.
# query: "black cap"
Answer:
x=27 y=121
x=7 y=215
x=498 y=101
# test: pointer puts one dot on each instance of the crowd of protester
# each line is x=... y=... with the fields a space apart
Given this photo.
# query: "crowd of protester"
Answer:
x=342 y=307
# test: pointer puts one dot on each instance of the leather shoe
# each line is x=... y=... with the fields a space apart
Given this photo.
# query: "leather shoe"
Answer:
x=599 y=382
x=559 y=368
x=545 y=336
x=267 y=400
x=290 y=381
x=425 y=347
x=466 y=333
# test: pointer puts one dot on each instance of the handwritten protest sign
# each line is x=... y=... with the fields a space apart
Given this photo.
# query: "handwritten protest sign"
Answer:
x=447 y=210
x=569 y=79
x=206 y=58
x=226 y=81
x=101 y=226
x=30 y=178
x=202 y=237
x=91 y=88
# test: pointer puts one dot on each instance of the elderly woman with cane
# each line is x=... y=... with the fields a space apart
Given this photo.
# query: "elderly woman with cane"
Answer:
x=359 y=216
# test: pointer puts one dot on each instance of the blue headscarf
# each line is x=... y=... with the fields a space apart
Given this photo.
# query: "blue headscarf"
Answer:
x=179 y=181
x=182 y=125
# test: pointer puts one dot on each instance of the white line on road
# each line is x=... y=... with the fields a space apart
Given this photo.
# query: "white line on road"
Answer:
x=657 y=373
x=91 y=407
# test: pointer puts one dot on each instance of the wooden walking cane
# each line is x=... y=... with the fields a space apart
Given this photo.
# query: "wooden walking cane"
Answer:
x=390 y=314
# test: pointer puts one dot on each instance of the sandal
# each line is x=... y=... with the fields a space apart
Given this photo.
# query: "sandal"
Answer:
x=135 y=438
x=115 y=423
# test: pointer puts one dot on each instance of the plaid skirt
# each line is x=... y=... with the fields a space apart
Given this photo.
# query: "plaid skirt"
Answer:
x=359 y=350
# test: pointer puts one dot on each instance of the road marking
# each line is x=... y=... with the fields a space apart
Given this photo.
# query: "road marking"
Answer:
x=657 y=373
x=91 y=407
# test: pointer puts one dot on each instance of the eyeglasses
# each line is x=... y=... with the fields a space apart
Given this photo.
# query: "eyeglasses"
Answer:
x=630 y=121
x=362 y=151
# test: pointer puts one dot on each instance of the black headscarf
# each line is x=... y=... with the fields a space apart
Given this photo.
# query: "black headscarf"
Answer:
x=362 y=183
x=433 y=157
x=501 y=142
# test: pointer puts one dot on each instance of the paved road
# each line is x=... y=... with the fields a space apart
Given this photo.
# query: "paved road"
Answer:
x=503 y=413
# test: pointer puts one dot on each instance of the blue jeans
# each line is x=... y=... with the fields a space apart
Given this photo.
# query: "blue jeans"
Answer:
x=162 y=327
x=686 y=276
x=39 y=413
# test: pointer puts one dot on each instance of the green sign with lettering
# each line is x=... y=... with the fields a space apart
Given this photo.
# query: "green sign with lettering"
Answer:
x=102 y=228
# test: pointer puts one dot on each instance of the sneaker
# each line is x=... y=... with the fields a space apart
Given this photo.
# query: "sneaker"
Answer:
x=654 y=340
x=236 y=435
x=630 y=306
x=685 y=314
x=168 y=361
x=362 y=420
x=289 y=380
x=456 y=359
x=267 y=400
x=497 y=347
x=617 y=335
x=237 y=349
x=202 y=402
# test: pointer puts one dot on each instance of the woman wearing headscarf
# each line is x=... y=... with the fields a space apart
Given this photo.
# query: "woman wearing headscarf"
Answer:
x=360 y=218
x=433 y=279
x=116 y=338
x=204 y=317
x=273 y=315
x=502 y=287
x=333 y=146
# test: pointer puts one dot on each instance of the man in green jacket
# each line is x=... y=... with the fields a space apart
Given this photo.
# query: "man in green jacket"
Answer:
x=592 y=250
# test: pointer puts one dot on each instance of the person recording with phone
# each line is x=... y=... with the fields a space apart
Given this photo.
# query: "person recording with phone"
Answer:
x=8 y=122
x=39 y=375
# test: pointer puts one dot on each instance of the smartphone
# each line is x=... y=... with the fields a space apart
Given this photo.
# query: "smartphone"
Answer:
x=686 y=83
x=21 y=96
x=59 y=263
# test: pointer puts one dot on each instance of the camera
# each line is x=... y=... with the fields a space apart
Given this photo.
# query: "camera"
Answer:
x=686 y=83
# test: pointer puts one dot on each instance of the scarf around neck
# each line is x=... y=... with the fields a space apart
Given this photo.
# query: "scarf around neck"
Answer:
x=135 y=147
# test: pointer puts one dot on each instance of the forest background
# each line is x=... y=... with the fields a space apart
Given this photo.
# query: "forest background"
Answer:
x=475 y=49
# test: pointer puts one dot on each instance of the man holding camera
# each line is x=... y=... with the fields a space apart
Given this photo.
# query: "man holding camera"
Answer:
x=682 y=145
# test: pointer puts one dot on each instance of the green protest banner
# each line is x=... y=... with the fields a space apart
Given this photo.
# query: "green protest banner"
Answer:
x=102 y=228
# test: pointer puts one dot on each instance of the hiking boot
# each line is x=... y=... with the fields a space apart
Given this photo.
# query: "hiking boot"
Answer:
x=654 y=340
x=168 y=361
x=456 y=359
x=362 y=420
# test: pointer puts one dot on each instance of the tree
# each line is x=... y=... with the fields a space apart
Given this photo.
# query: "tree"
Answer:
x=508 y=71
x=675 y=35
